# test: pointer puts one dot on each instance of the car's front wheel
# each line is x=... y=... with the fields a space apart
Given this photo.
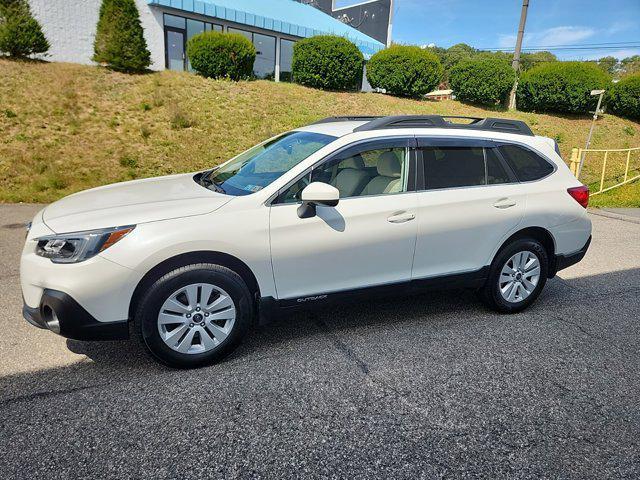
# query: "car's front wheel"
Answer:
x=194 y=315
x=516 y=276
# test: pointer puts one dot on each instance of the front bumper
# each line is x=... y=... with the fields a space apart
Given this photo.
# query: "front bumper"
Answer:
x=61 y=314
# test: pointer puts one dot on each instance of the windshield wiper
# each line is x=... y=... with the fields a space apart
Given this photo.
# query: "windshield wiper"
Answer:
x=205 y=181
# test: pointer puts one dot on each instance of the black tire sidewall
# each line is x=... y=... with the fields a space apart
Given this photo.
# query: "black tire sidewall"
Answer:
x=492 y=291
x=149 y=307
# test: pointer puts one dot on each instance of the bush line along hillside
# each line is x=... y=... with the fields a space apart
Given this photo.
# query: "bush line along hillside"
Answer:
x=483 y=80
x=66 y=127
x=20 y=33
x=624 y=97
x=328 y=62
x=120 y=42
x=405 y=71
x=561 y=87
x=222 y=55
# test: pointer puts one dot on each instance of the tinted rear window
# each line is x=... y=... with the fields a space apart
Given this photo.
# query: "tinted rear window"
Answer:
x=525 y=164
x=448 y=167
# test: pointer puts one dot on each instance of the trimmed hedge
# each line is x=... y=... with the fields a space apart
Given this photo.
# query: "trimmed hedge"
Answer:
x=120 y=42
x=222 y=55
x=484 y=80
x=405 y=71
x=561 y=87
x=20 y=33
x=328 y=62
x=624 y=97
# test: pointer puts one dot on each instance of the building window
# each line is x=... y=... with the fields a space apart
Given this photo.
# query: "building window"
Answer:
x=177 y=31
x=265 y=64
x=286 y=59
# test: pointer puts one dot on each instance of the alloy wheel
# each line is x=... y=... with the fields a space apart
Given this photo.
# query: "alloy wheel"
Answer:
x=196 y=318
x=519 y=276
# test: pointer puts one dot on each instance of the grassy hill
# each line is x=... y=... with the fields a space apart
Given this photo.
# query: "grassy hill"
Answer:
x=65 y=127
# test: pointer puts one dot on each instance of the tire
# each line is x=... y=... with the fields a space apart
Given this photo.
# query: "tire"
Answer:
x=498 y=289
x=193 y=340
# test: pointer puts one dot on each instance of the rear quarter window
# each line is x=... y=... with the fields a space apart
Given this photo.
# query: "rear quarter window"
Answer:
x=526 y=164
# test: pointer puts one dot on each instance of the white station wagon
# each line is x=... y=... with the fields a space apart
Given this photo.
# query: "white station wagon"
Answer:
x=343 y=207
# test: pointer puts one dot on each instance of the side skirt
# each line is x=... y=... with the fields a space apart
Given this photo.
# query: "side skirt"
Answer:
x=269 y=306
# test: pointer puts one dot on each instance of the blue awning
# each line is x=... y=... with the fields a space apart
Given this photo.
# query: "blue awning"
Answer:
x=293 y=18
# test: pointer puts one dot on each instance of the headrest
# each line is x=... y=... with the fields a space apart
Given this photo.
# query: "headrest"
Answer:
x=389 y=165
x=352 y=162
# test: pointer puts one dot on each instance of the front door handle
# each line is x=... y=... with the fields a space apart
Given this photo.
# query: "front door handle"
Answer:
x=504 y=203
x=401 y=217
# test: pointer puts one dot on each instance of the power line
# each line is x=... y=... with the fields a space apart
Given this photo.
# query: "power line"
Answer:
x=622 y=44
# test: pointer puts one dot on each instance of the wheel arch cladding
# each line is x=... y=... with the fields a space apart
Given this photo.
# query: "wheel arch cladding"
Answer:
x=170 y=264
x=540 y=234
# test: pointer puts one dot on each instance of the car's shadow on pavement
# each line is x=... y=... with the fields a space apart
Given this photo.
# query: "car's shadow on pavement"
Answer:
x=594 y=298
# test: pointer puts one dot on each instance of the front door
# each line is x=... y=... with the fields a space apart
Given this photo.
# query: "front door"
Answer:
x=368 y=239
x=175 y=49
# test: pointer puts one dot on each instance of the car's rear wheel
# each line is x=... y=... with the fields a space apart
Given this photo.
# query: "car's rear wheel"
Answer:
x=195 y=315
x=516 y=276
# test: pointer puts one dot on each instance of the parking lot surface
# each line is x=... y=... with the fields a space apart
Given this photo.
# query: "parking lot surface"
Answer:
x=416 y=387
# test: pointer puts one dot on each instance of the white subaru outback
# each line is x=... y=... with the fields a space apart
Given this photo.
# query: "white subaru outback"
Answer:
x=343 y=207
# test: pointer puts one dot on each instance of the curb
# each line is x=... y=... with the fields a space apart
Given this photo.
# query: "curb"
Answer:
x=615 y=216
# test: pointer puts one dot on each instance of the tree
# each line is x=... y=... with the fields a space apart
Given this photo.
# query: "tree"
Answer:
x=630 y=65
x=608 y=64
x=530 y=60
x=20 y=33
x=456 y=53
x=120 y=42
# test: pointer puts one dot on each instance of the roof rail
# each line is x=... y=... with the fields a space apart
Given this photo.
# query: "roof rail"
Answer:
x=366 y=118
x=503 y=125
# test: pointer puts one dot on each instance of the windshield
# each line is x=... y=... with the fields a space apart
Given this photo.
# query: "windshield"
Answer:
x=256 y=168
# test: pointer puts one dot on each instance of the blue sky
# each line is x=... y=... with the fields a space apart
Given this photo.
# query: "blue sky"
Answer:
x=494 y=23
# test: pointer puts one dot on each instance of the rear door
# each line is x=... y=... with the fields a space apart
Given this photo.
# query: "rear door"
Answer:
x=468 y=202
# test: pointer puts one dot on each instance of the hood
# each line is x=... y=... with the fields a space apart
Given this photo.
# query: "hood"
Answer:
x=130 y=203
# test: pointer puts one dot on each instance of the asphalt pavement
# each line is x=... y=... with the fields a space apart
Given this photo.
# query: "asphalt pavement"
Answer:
x=428 y=386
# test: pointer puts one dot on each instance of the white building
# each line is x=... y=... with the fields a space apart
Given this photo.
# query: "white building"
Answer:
x=272 y=25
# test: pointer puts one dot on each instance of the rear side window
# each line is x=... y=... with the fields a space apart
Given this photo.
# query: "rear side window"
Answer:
x=525 y=164
x=495 y=171
x=449 y=167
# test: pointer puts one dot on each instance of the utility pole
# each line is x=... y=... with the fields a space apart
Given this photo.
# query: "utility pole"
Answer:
x=390 y=26
x=516 y=55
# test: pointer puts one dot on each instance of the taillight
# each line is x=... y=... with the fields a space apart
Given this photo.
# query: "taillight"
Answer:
x=580 y=194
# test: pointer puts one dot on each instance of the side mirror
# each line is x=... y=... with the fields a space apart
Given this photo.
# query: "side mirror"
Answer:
x=317 y=193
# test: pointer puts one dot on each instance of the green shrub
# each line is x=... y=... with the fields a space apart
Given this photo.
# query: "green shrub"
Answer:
x=560 y=87
x=328 y=62
x=404 y=70
x=20 y=33
x=624 y=97
x=222 y=55
x=484 y=79
x=120 y=42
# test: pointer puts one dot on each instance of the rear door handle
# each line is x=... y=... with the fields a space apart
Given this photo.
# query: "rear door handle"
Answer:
x=504 y=203
x=401 y=217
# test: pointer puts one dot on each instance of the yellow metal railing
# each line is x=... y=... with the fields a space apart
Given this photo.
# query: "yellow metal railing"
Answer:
x=577 y=155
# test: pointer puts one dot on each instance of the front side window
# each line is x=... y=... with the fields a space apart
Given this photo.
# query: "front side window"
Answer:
x=358 y=173
x=525 y=164
x=259 y=166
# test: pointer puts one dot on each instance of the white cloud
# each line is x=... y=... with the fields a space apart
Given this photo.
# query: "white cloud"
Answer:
x=563 y=35
x=619 y=54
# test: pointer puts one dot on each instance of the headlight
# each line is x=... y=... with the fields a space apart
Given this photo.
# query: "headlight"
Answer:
x=78 y=246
